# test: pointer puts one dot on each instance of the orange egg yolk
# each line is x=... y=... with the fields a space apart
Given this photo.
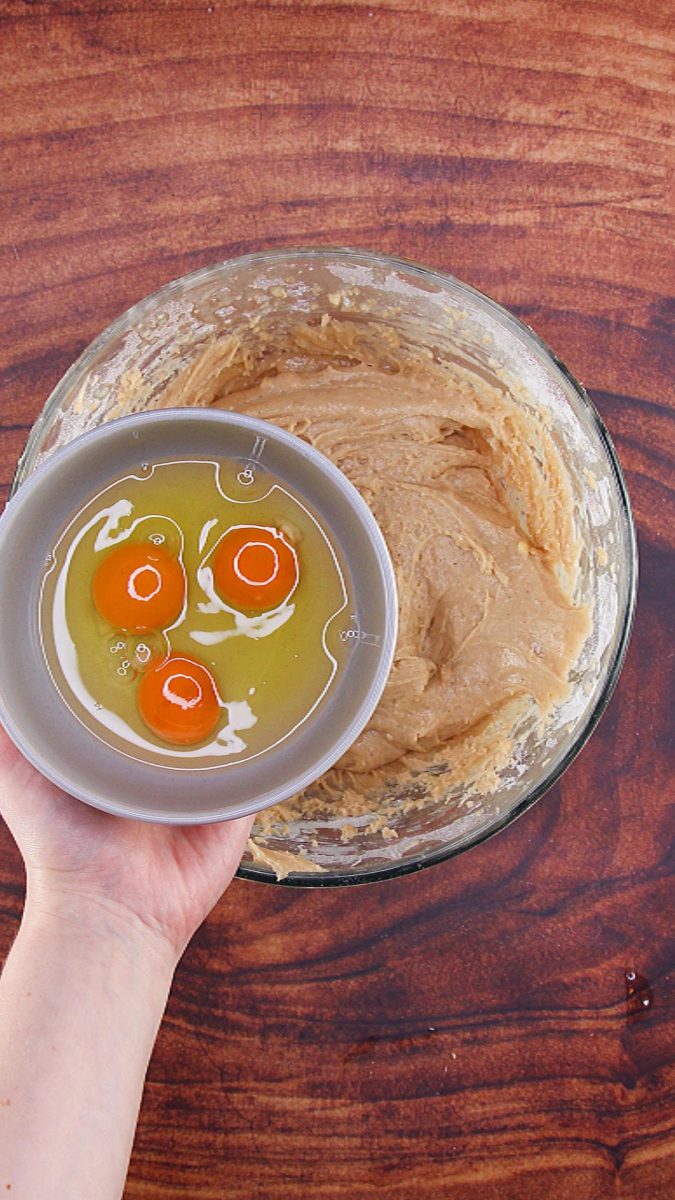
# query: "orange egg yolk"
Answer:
x=139 y=586
x=254 y=568
x=178 y=700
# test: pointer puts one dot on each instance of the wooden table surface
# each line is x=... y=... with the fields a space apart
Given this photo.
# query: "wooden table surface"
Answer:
x=465 y=1032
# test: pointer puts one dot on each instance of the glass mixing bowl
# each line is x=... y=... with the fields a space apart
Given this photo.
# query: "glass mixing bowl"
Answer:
x=129 y=367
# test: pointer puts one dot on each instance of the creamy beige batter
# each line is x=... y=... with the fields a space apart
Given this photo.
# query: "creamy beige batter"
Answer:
x=476 y=508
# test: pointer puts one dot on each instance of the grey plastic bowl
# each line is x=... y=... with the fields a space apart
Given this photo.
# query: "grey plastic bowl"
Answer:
x=52 y=737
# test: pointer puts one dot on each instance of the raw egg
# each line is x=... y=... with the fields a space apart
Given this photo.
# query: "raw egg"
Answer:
x=139 y=586
x=255 y=568
x=178 y=700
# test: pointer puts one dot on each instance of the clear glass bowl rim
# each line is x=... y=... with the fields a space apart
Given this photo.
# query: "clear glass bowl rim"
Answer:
x=133 y=315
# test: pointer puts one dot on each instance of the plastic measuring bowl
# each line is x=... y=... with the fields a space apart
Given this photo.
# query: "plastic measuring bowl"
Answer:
x=46 y=729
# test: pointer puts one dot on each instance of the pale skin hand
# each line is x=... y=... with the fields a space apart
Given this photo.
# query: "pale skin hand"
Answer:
x=110 y=906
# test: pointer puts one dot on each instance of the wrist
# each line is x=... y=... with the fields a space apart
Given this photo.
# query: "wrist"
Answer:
x=108 y=928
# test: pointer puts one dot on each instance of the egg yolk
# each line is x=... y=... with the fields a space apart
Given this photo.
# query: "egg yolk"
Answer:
x=255 y=568
x=139 y=586
x=178 y=700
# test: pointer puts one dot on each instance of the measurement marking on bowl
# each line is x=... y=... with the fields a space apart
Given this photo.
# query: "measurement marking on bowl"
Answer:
x=247 y=475
x=359 y=635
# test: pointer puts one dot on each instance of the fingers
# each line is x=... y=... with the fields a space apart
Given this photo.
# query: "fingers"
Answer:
x=223 y=843
x=234 y=835
x=8 y=750
x=15 y=773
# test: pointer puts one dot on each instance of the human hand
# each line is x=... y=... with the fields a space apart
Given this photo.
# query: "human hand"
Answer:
x=163 y=879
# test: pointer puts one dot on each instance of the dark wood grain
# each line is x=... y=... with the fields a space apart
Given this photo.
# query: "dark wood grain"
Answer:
x=466 y=1032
